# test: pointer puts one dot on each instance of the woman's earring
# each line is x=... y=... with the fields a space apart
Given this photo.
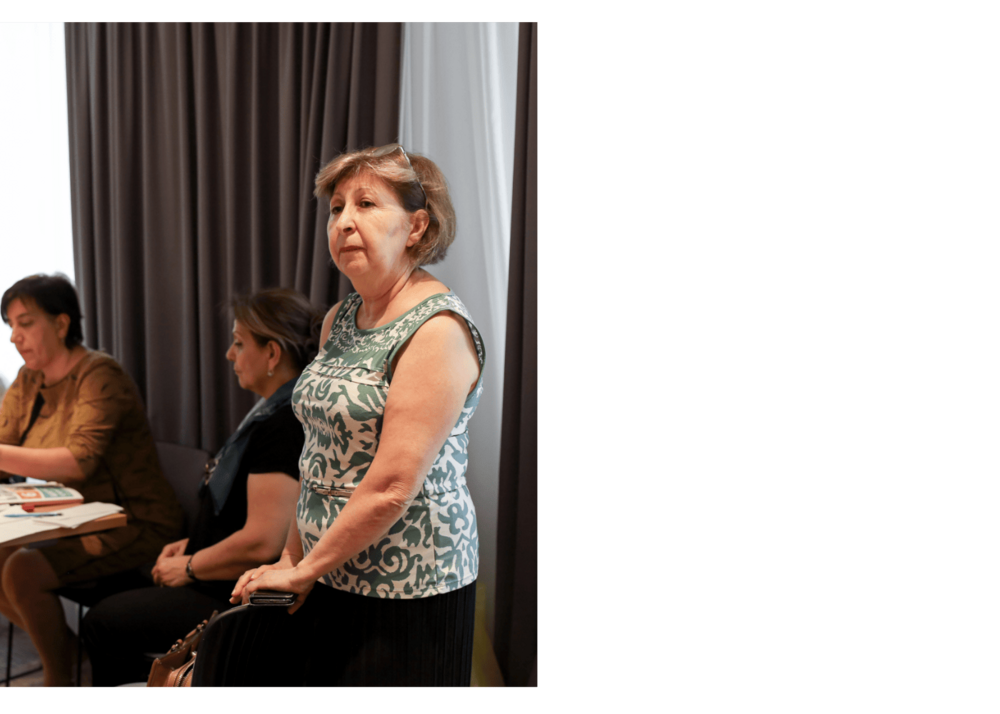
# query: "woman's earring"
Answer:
x=270 y=373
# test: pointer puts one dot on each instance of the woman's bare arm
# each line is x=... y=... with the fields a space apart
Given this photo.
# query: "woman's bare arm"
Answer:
x=55 y=464
x=270 y=497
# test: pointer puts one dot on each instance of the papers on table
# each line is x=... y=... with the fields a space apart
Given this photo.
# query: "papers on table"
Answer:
x=12 y=528
x=16 y=523
x=72 y=517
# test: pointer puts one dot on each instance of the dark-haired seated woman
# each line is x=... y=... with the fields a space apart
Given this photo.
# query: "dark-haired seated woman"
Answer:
x=243 y=519
x=74 y=416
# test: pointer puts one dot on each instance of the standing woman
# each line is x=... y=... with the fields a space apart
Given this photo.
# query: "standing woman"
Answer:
x=74 y=416
x=384 y=556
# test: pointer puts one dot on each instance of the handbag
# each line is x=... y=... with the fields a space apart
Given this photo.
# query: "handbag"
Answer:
x=174 y=669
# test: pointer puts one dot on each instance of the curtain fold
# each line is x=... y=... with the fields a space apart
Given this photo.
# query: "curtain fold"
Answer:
x=193 y=149
x=516 y=640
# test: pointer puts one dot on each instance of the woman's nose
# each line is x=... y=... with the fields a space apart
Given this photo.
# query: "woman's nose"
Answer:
x=345 y=222
x=229 y=354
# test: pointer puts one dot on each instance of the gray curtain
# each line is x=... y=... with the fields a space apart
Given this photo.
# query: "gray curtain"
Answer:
x=193 y=149
x=517 y=517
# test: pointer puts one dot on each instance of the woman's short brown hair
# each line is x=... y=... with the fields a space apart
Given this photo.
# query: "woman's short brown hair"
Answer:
x=55 y=295
x=285 y=316
x=392 y=170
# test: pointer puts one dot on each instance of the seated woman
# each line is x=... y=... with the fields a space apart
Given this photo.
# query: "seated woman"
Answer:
x=245 y=501
x=74 y=416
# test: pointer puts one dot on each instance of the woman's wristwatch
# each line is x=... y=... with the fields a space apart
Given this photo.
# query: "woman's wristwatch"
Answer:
x=190 y=570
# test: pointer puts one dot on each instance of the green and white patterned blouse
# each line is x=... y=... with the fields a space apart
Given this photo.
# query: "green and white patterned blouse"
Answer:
x=340 y=399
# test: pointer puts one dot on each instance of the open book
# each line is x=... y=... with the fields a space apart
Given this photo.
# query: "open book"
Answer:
x=31 y=496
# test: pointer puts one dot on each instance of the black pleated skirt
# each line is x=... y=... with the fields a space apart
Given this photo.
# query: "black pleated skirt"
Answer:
x=348 y=640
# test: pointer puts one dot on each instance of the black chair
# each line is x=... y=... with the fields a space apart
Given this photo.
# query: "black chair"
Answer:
x=184 y=469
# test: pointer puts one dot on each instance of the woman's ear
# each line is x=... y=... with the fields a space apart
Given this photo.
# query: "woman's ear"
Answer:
x=62 y=326
x=418 y=225
x=273 y=356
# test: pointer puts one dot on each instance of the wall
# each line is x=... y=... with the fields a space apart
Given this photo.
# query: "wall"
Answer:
x=37 y=235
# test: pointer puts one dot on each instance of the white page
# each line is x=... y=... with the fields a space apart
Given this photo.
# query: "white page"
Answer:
x=77 y=515
x=11 y=528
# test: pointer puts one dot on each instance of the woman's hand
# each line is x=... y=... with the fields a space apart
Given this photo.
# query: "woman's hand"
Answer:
x=172 y=549
x=280 y=576
x=171 y=572
x=237 y=595
x=290 y=557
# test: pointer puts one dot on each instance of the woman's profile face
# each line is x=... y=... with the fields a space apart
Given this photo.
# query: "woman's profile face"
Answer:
x=35 y=333
x=249 y=359
x=368 y=229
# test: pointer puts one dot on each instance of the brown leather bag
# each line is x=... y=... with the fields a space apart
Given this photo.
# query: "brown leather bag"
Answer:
x=174 y=669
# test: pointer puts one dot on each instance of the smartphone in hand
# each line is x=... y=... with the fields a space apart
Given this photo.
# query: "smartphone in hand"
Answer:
x=272 y=597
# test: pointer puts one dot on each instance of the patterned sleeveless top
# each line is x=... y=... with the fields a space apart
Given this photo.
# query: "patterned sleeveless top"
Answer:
x=340 y=398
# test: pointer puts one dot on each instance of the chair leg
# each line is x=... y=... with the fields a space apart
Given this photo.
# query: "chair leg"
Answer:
x=10 y=651
x=79 y=644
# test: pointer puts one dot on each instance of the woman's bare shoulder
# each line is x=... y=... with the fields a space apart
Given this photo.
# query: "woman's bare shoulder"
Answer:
x=328 y=323
x=332 y=312
x=425 y=286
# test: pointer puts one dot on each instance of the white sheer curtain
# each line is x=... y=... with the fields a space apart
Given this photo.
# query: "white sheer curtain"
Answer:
x=457 y=107
x=34 y=184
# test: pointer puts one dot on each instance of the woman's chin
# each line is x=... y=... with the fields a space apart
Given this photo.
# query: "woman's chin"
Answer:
x=351 y=262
